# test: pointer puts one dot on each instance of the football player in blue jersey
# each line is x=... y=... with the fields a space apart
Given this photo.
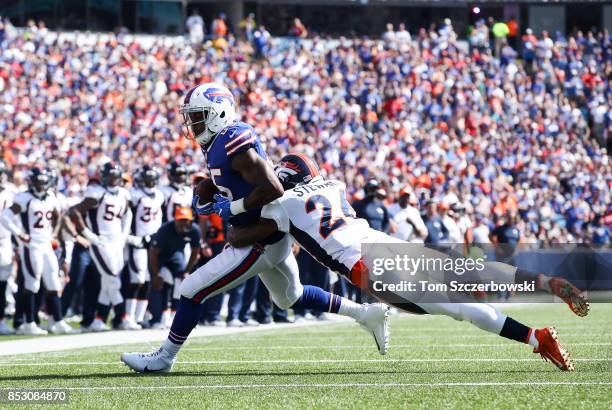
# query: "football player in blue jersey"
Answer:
x=245 y=180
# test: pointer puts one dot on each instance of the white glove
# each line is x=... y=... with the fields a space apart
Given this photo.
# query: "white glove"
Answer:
x=95 y=240
x=136 y=241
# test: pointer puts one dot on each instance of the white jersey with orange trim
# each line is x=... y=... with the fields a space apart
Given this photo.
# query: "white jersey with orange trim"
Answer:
x=106 y=217
x=147 y=209
x=320 y=219
x=175 y=197
x=6 y=200
x=36 y=215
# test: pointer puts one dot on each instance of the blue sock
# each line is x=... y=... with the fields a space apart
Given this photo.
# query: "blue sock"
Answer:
x=186 y=318
x=316 y=298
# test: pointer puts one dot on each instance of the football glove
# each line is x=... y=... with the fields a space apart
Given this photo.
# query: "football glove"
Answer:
x=222 y=206
x=200 y=209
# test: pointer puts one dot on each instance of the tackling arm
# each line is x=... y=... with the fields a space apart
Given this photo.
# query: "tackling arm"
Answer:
x=239 y=237
x=257 y=172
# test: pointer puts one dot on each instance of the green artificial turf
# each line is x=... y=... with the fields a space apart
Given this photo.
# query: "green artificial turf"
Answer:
x=433 y=362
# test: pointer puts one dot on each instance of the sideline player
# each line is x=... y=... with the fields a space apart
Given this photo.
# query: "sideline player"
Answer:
x=146 y=201
x=317 y=215
x=239 y=168
x=107 y=226
x=38 y=209
x=7 y=192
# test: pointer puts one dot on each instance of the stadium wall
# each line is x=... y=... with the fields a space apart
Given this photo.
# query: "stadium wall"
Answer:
x=363 y=17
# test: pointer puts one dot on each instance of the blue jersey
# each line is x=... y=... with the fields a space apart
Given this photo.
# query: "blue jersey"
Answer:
x=233 y=140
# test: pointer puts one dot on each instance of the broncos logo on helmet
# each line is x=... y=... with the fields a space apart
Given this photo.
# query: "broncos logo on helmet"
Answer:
x=295 y=169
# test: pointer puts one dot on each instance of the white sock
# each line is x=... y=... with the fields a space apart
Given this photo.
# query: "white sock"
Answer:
x=351 y=309
x=130 y=308
x=171 y=348
x=141 y=309
x=532 y=339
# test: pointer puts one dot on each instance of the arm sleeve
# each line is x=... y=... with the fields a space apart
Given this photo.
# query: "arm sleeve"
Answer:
x=21 y=199
x=241 y=141
x=276 y=212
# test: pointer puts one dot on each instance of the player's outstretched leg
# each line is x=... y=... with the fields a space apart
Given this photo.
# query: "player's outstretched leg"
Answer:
x=283 y=282
x=544 y=341
x=372 y=317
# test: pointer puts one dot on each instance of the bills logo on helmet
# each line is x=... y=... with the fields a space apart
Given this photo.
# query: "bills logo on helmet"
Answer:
x=217 y=95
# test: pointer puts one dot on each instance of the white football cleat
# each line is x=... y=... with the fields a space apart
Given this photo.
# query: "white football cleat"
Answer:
x=375 y=322
x=158 y=361
x=129 y=324
x=251 y=323
x=30 y=329
x=62 y=328
x=234 y=323
x=98 y=326
x=4 y=329
x=159 y=325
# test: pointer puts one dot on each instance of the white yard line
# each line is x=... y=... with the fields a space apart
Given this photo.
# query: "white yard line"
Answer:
x=301 y=361
x=70 y=342
x=327 y=385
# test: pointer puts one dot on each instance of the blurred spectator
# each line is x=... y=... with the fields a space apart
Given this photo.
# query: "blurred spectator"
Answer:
x=513 y=32
x=500 y=32
x=247 y=27
x=195 y=26
x=407 y=218
x=219 y=27
x=298 y=29
x=371 y=208
x=436 y=230
x=261 y=40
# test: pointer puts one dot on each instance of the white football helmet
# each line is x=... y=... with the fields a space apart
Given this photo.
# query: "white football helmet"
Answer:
x=207 y=109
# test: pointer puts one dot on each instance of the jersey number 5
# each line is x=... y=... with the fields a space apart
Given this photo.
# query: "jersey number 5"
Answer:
x=216 y=172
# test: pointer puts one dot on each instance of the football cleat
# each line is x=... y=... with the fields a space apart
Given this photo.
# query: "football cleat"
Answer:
x=158 y=361
x=234 y=323
x=551 y=349
x=129 y=324
x=570 y=295
x=98 y=326
x=30 y=329
x=375 y=322
x=158 y=325
x=62 y=328
x=250 y=323
x=4 y=329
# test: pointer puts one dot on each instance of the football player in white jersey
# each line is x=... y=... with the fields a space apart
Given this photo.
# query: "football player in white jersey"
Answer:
x=146 y=202
x=39 y=212
x=176 y=194
x=317 y=215
x=106 y=225
x=7 y=192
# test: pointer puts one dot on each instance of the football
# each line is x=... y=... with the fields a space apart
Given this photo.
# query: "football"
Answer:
x=205 y=189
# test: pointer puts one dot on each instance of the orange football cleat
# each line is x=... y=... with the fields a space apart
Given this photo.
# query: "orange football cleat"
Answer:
x=570 y=295
x=551 y=349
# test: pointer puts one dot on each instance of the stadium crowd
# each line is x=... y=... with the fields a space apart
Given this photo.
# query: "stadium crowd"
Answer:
x=477 y=140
